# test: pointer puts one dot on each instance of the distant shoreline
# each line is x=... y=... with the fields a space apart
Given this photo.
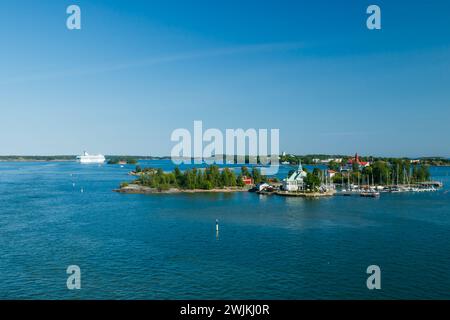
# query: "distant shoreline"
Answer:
x=68 y=158
x=432 y=161
x=74 y=160
x=36 y=160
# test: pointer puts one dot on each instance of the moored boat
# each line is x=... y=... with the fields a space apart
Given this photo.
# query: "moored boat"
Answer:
x=370 y=194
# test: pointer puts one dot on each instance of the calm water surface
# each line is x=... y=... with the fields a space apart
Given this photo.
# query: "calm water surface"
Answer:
x=166 y=247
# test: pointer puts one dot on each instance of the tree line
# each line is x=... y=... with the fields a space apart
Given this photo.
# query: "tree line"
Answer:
x=382 y=173
x=209 y=178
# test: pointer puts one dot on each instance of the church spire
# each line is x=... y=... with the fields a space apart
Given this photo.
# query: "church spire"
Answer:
x=300 y=167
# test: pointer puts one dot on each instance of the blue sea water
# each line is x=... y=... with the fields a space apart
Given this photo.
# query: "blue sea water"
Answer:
x=166 y=246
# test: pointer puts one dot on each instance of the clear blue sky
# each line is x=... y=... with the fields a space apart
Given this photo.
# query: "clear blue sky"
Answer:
x=139 y=69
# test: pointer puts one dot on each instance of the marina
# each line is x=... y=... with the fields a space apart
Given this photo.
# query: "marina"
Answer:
x=295 y=185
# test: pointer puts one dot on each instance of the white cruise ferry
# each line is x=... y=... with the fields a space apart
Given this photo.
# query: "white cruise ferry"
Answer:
x=87 y=158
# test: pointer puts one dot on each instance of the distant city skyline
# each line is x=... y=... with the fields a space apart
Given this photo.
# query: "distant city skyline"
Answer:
x=138 y=70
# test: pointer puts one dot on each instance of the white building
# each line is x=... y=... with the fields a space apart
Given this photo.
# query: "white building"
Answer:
x=331 y=174
x=295 y=181
x=327 y=161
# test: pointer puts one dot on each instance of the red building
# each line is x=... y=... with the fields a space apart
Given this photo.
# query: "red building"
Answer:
x=356 y=159
x=350 y=162
x=247 y=181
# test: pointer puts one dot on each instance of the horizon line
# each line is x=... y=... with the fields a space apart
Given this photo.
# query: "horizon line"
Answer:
x=168 y=156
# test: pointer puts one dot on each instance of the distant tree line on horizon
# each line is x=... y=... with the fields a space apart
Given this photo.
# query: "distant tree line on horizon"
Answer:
x=309 y=159
x=73 y=158
x=37 y=158
x=293 y=159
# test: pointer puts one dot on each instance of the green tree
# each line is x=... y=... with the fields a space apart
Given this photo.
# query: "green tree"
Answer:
x=240 y=181
x=317 y=172
x=333 y=165
x=256 y=175
x=189 y=180
x=367 y=174
x=178 y=176
x=312 y=181
x=421 y=173
x=338 y=178
x=131 y=161
x=380 y=172
x=245 y=172
x=213 y=175
x=228 y=178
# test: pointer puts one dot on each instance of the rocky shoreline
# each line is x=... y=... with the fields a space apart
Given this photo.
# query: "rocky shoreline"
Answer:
x=138 y=189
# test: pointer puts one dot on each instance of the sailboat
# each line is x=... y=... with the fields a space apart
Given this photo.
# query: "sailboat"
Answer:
x=395 y=189
x=370 y=192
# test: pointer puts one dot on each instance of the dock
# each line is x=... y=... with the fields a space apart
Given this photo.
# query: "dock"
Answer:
x=436 y=184
x=306 y=194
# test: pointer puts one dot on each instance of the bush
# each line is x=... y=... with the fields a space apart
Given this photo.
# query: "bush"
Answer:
x=163 y=187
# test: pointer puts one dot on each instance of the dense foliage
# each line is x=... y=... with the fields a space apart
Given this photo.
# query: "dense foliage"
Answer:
x=210 y=178
x=313 y=179
x=383 y=172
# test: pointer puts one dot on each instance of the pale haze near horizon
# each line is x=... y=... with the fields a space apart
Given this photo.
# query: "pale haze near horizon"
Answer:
x=137 y=71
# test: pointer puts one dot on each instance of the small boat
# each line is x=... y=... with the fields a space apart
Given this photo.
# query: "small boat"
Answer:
x=265 y=189
x=394 y=189
x=370 y=194
x=346 y=193
x=266 y=192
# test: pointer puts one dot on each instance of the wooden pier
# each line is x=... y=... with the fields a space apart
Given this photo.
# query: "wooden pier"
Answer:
x=306 y=194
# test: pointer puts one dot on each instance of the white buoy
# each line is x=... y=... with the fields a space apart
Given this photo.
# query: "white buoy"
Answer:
x=217 y=229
